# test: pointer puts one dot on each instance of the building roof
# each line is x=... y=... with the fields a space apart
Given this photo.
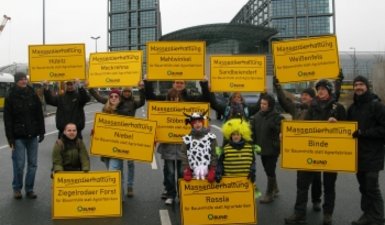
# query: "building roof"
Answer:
x=213 y=33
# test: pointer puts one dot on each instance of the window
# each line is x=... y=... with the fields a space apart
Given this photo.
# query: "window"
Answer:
x=119 y=5
x=147 y=18
x=119 y=38
x=147 y=34
x=145 y=4
x=119 y=21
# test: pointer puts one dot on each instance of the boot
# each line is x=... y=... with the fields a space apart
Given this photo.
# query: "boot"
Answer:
x=269 y=196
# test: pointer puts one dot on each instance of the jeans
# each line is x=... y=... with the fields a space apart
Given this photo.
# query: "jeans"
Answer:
x=113 y=164
x=170 y=169
x=130 y=173
x=372 y=203
x=23 y=147
x=304 y=179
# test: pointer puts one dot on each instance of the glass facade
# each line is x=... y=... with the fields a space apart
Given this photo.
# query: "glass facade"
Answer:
x=292 y=18
x=133 y=23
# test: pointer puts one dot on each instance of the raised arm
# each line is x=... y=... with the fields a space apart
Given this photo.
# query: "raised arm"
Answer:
x=97 y=96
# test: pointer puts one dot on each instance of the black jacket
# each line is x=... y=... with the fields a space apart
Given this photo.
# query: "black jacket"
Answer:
x=23 y=114
x=368 y=111
x=128 y=106
x=323 y=110
x=70 y=107
x=203 y=97
x=266 y=127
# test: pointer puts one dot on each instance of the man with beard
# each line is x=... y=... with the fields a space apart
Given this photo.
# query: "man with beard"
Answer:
x=370 y=115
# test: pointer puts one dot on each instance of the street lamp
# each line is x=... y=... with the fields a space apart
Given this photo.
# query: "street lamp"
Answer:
x=96 y=42
x=354 y=61
x=43 y=22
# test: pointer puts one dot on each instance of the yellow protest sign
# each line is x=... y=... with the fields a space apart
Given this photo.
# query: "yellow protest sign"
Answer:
x=175 y=60
x=237 y=73
x=229 y=202
x=84 y=195
x=123 y=137
x=306 y=59
x=170 y=116
x=111 y=69
x=319 y=145
x=57 y=62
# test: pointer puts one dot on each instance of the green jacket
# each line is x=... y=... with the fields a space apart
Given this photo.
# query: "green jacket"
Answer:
x=70 y=159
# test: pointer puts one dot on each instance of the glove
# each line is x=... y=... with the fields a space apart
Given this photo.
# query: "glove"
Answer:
x=92 y=132
x=41 y=138
x=11 y=143
x=357 y=133
x=257 y=149
x=341 y=76
x=187 y=174
x=218 y=178
x=251 y=177
x=276 y=82
x=211 y=174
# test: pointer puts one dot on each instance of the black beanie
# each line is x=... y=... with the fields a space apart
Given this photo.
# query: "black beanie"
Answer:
x=362 y=79
x=326 y=84
x=19 y=75
x=310 y=92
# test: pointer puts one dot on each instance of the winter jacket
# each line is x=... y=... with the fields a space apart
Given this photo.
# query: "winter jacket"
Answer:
x=127 y=106
x=23 y=114
x=323 y=110
x=185 y=97
x=266 y=127
x=227 y=109
x=70 y=107
x=298 y=111
x=368 y=111
x=70 y=155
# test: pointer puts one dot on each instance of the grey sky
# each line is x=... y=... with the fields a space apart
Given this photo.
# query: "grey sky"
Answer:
x=360 y=24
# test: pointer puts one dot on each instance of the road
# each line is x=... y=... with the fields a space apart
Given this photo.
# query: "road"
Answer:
x=146 y=207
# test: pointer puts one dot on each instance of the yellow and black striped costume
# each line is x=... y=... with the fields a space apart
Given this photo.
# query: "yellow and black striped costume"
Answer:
x=237 y=162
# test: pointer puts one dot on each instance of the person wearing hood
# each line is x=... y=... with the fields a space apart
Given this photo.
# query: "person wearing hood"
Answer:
x=323 y=107
x=266 y=128
x=368 y=111
x=70 y=106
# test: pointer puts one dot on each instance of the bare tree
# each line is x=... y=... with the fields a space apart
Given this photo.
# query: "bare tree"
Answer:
x=378 y=77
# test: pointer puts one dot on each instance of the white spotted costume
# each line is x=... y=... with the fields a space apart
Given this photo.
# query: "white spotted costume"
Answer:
x=198 y=149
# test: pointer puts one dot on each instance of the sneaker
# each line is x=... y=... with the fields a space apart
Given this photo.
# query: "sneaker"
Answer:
x=295 y=219
x=17 y=195
x=317 y=206
x=164 y=194
x=130 y=192
x=31 y=195
x=169 y=201
x=327 y=219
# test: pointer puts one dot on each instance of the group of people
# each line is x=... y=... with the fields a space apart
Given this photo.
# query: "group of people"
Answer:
x=247 y=129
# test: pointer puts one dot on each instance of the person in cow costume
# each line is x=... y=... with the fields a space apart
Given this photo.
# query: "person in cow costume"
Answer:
x=198 y=150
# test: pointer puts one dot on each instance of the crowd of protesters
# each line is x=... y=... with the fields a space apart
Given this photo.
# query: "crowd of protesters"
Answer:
x=248 y=130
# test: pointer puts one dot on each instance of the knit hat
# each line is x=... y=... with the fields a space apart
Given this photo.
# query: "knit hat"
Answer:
x=326 y=84
x=362 y=79
x=237 y=125
x=19 y=75
x=114 y=91
x=309 y=91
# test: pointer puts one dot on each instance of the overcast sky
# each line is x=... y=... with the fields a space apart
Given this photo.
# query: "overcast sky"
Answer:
x=360 y=24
